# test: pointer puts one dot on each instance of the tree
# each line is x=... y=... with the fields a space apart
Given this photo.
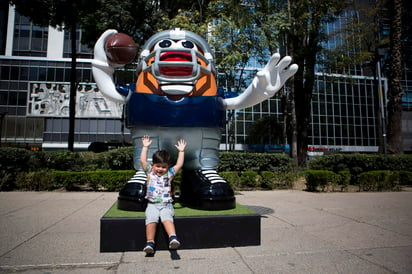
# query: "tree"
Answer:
x=266 y=130
x=303 y=42
x=138 y=18
x=60 y=14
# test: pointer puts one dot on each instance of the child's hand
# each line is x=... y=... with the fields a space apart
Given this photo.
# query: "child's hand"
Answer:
x=181 y=144
x=146 y=141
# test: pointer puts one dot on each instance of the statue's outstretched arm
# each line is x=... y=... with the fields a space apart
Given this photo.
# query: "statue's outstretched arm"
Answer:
x=103 y=69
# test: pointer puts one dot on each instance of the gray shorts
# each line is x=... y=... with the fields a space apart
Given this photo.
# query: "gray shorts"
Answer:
x=164 y=211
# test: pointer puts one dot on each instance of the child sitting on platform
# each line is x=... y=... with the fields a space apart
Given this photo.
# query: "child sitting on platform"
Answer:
x=159 y=192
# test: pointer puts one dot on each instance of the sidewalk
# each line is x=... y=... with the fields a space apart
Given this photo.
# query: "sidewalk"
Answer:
x=301 y=232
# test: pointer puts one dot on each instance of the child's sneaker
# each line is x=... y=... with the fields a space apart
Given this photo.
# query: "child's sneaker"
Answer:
x=149 y=248
x=173 y=242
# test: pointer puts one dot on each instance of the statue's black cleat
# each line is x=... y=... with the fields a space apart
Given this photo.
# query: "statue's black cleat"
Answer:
x=132 y=195
x=205 y=189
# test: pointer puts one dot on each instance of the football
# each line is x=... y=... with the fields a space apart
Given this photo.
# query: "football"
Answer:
x=120 y=48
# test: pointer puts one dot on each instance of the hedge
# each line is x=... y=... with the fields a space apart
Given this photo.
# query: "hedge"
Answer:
x=359 y=163
x=379 y=180
x=73 y=180
x=30 y=170
x=316 y=179
x=242 y=161
x=17 y=159
x=277 y=179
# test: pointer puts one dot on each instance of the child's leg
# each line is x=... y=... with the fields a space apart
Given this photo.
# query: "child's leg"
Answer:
x=151 y=232
x=169 y=227
x=166 y=215
x=152 y=217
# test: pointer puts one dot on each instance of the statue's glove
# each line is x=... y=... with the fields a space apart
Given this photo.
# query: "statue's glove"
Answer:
x=273 y=76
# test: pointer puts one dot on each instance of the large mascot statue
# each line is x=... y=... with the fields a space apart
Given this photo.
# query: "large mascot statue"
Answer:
x=176 y=97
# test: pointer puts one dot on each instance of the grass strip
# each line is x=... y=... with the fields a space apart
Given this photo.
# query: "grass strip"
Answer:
x=181 y=211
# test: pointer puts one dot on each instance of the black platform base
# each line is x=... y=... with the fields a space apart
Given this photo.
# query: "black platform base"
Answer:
x=128 y=234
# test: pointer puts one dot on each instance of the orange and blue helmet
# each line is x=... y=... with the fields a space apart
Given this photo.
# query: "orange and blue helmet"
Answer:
x=176 y=62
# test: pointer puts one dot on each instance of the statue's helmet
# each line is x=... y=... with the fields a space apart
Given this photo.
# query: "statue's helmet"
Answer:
x=176 y=57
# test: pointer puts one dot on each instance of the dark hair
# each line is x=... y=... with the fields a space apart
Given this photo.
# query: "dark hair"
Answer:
x=161 y=156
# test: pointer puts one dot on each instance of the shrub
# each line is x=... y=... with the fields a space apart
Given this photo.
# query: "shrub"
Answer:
x=7 y=181
x=232 y=178
x=250 y=178
x=358 y=163
x=277 y=180
x=94 y=180
x=35 y=181
x=120 y=159
x=14 y=160
x=63 y=160
x=343 y=179
x=379 y=180
x=319 y=178
x=405 y=178
x=268 y=179
x=242 y=161
x=110 y=180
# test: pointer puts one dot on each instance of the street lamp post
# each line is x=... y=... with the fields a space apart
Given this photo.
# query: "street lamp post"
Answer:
x=382 y=106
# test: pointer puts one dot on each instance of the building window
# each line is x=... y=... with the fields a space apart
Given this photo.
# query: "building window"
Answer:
x=83 y=51
x=29 y=39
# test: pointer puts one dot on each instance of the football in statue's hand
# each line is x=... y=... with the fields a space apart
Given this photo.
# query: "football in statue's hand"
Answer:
x=120 y=48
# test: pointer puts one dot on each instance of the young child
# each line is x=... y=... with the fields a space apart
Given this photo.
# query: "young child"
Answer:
x=159 y=192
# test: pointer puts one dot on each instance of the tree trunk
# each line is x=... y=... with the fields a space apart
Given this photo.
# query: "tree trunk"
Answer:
x=293 y=127
x=394 y=130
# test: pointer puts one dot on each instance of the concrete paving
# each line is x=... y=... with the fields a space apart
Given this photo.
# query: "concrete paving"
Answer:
x=302 y=232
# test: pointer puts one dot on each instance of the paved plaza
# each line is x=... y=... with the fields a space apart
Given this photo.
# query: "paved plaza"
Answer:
x=301 y=232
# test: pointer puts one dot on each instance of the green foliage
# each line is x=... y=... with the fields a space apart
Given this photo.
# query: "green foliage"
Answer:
x=92 y=180
x=185 y=19
x=63 y=160
x=316 y=179
x=241 y=161
x=56 y=13
x=120 y=159
x=48 y=170
x=35 y=181
x=7 y=181
x=236 y=38
x=250 y=178
x=232 y=178
x=405 y=178
x=379 y=180
x=358 y=163
x=277 y=180
x=12 y=161
x=343 y=179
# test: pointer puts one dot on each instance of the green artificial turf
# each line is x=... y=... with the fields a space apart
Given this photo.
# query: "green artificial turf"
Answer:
x=181 y=211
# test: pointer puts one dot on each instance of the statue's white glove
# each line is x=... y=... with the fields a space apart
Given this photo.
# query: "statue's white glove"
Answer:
x=273 y=76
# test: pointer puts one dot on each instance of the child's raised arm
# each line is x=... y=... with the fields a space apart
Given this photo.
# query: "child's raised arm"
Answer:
x=181 y=145
x=145 y=148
